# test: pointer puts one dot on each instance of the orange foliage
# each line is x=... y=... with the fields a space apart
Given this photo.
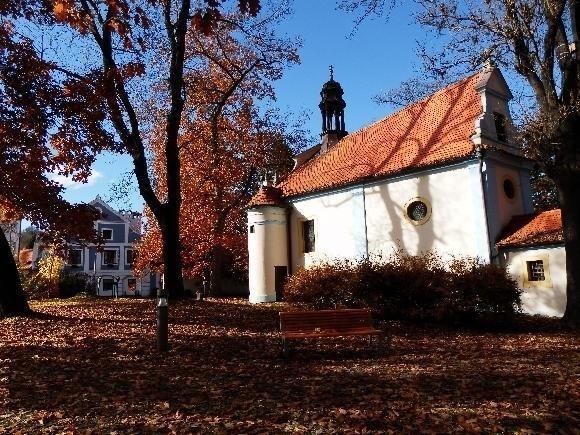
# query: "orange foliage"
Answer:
x=225 y=143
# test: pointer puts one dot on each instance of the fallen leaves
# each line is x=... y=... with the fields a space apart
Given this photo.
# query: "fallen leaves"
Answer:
x=90 y=366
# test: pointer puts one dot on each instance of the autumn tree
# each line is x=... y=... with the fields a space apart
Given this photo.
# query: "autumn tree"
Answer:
x=226 y=141
x=102 y=56
x=538 y=40
x=31 y=106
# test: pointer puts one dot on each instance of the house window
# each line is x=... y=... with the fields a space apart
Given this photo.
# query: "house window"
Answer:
x=131 y=285
x=252 y=229
x=500 y=126
x=130 y=256
x=110 y=256
x=108 y=284
x=536 y=270
x=309 y=237
x=75 y=257
x=107 y=234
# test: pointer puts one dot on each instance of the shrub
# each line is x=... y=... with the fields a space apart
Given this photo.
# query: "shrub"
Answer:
x=37 y=286
x=409 y=287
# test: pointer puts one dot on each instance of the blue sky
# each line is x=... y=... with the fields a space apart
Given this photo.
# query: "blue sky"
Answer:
x=378 y=56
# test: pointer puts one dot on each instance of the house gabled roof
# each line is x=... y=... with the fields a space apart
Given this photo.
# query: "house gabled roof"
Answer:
x=543 y=228
x=431 y=132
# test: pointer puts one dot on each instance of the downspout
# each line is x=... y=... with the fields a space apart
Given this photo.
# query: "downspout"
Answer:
x=480 y=153
x=365 y=219
x=289 y=239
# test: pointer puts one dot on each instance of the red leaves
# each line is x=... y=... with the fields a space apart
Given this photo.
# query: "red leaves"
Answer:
x=90 y=366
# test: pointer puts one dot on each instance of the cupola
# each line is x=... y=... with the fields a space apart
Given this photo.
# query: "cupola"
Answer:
x=332 y=107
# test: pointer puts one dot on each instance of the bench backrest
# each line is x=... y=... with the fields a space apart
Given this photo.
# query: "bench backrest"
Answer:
x=340 y=320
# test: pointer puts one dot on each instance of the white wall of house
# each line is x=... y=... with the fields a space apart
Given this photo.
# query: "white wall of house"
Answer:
x=373 y=219
x=548 y=296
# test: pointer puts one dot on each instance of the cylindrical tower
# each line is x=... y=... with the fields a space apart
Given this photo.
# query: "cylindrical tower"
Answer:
x=267 y=245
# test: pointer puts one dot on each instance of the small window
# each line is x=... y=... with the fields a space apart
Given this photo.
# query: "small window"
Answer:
x=131 y=285
x=130 y=256
x=536 y=270
x=108 y=284
x=509 y=189
x=309 y=237
x=110 y=257
x=75 y=257
x=107 y=234
x=500 y=126
x=252 y=229
x=417 y=211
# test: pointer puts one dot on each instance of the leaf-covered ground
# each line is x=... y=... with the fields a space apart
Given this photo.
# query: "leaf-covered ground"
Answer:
x=91 y=366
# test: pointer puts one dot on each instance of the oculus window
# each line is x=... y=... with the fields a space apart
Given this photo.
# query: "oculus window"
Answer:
x=509 y=188
x=418 y=211
x=309 y=236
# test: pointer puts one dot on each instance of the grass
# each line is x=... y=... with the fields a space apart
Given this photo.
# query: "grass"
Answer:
x=85 y=365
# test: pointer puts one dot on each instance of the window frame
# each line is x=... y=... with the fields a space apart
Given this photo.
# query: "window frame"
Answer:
x=427 y=216
x=116 y=251
x=103 y=233
x=80 y=264
x=303 y=224
x=112 y=280
x=531 y=283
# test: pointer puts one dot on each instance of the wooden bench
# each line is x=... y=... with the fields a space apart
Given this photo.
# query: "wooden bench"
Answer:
x=325 y=323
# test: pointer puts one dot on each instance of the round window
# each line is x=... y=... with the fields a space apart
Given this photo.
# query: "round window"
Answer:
x=509 y=189
x=418 y=211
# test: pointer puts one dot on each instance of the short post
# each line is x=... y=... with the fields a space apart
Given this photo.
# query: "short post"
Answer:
x=162 y=321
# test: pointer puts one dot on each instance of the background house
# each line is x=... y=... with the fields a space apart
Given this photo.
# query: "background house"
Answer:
x=443 y=174
x=111 y=267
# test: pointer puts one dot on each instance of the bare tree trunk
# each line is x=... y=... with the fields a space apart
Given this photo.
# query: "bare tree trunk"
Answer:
x=173 y=268
x=569 y=188
x=12 y=298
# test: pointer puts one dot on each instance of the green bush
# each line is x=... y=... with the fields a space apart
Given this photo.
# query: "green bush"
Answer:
x=36 y=286
x=409 y=287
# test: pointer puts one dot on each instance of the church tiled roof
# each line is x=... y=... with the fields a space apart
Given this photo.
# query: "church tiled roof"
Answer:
x=533 y=229
x=433 y=131
x=267 y=195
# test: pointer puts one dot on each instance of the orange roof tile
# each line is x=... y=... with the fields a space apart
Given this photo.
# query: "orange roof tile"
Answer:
x=432 y=131
x=533 y=229
x=267 y=195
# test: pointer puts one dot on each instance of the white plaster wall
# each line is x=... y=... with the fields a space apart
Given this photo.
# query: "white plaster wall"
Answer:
x=457 y=223
x=267 y=248
x=334 y=226
x=548 y=299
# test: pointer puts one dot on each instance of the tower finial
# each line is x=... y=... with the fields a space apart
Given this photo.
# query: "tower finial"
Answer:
x=331 y=72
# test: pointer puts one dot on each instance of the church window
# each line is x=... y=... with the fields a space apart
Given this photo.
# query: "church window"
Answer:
x=509 y=188
x=536 y=270
x=418 y=211
x=500 y=126
x=309 y=236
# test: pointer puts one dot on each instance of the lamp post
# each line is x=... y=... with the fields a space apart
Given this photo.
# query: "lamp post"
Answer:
x=162 y=319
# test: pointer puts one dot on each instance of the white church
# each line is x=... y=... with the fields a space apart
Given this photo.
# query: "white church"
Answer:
x=442 y=174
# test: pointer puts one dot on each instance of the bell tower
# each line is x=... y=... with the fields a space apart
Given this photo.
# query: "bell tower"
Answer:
x=332 y=108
